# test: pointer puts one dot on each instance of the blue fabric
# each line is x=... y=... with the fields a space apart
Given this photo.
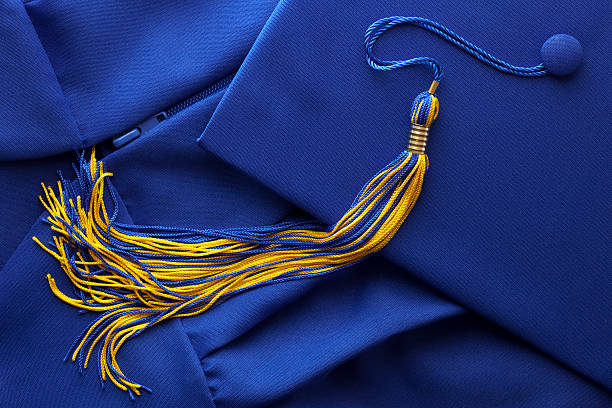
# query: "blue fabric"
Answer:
x=36 y=119
x=494 y=294
x=513 y=221
x=120 y=62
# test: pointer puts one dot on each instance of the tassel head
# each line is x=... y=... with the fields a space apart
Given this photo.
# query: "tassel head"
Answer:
x=424 y=109
x=423 y=113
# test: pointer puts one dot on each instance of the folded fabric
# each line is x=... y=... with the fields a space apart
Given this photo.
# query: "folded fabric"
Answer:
x=513 y=220
x=495 y=293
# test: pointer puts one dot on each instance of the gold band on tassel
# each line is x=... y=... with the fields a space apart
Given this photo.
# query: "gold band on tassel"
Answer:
x=418 y=139
x=433 y=87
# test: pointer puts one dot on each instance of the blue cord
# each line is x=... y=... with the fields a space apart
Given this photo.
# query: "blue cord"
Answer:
x=380 y=26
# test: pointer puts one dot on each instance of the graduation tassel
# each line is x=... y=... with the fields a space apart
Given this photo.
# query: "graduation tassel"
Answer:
x=137 y=276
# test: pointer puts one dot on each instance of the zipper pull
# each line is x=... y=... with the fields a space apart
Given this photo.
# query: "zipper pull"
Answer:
x=141 y=128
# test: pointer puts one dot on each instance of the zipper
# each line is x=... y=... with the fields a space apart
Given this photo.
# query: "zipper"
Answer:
x=152 y=122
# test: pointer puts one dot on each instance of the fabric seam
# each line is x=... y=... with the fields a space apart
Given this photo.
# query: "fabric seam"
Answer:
x=59 y=84
x=200 y=364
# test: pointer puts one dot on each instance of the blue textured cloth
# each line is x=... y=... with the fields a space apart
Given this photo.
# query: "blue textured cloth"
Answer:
x=514 y=220
x=496 y=291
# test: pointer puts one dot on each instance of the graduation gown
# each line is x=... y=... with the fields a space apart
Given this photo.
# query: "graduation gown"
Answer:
x=494 y=293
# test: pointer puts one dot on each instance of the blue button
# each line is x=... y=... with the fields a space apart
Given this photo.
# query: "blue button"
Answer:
x=561 y=54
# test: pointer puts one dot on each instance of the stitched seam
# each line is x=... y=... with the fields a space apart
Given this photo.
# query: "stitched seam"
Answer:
x=59 y=84
x=201 y=365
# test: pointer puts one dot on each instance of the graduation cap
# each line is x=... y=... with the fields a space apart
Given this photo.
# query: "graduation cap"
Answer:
x=141 y=275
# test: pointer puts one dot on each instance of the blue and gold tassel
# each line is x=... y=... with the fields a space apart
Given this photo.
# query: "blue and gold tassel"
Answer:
x=137 y=276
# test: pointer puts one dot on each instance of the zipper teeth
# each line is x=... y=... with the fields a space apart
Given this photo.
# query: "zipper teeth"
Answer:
x=214 y=88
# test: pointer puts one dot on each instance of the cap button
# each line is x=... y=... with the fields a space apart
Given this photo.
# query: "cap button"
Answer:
x=561 y=54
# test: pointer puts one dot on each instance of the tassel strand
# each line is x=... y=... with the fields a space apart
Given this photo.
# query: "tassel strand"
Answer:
x=138 y=276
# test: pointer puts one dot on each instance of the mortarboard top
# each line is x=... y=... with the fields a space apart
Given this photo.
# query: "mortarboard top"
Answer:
x=513 y=221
